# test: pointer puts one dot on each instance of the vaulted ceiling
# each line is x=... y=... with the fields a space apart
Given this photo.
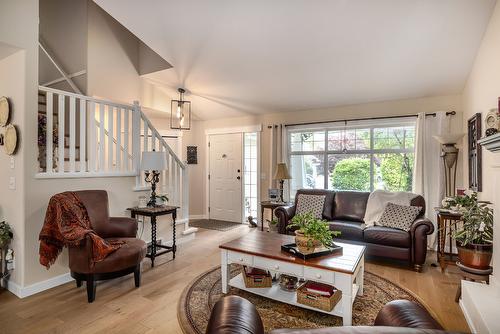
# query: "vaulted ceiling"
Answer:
x=250 y=57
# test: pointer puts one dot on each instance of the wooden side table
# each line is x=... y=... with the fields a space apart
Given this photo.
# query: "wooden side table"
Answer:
x=153 y=213
x=269 y=205
x=446 y=226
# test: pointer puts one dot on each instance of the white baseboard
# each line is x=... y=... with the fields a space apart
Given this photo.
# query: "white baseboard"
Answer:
x=198 y=217
x=23 y=292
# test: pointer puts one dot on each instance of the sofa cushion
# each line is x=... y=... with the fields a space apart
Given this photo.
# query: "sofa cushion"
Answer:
x=349 y=230
x=329 y=196
x=399 y=216
x=350 y=205
x=387 y=236
x=313 y=204
x=128 y=255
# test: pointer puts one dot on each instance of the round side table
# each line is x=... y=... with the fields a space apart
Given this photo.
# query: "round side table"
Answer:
x=472 y=274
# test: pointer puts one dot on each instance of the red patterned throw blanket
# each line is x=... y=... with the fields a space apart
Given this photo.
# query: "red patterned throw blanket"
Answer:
x=67 y=223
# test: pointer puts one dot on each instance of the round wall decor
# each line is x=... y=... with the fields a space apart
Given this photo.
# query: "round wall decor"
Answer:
x=4 y=111
x=10 y=139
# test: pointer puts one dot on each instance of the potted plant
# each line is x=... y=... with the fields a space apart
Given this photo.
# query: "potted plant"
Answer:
x=273 y=225
x=5 y=234
x=161 y=199
x=474 y=236
x=311 y=233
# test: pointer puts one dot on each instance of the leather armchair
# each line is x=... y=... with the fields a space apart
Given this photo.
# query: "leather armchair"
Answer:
x=235 y=315
x=127 y=259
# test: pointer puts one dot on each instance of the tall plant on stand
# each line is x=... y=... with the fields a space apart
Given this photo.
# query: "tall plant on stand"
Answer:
x=474 y=235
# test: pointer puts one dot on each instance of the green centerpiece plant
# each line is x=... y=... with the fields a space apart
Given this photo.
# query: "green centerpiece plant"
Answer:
x=311 y=233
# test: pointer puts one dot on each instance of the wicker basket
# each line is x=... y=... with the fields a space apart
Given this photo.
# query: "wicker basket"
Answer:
x=318 y=301
x=258 y=281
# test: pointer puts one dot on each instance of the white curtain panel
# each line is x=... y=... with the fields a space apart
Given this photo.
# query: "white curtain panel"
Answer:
x=428 y=173
x=278 y=153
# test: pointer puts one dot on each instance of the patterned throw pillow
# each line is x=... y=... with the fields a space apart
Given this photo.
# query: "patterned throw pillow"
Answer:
x=399 y=216
x=310 y=203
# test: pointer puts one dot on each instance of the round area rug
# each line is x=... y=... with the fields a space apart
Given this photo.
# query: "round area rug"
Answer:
x=204 y=291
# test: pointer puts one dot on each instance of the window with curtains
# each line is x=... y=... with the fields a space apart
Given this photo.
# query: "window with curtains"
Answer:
x=363 y=157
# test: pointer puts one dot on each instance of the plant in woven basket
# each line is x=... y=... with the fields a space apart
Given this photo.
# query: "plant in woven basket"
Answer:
x=311 y=232
x=5 y=234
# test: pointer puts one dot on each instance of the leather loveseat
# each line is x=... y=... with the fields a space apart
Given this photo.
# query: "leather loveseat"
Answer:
x=235 y=315
x=345 y=210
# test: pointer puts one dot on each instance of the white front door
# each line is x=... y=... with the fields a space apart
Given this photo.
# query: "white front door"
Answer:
x=225 y=173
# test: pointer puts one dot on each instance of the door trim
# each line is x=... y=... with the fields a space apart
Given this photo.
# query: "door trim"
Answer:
x=243 y=129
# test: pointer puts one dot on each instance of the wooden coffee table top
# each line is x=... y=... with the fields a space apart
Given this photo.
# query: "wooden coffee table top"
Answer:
x=268 y=245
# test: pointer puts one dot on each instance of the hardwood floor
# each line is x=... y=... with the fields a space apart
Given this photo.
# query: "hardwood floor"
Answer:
x=121 y=308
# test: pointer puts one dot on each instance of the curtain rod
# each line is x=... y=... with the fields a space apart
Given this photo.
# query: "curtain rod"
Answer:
x=448 y=113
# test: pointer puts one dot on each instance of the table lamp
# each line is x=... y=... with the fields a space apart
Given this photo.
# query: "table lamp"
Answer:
x=282 y=175
x=152 y=163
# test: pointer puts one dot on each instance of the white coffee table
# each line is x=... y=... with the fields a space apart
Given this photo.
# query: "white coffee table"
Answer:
x=263 y=250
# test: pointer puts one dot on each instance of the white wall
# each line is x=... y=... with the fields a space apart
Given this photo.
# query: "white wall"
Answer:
x=196 y=136
x=12 y=85
x=480 y=95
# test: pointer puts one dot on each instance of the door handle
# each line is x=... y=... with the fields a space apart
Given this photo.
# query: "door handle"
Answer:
x=238 y=177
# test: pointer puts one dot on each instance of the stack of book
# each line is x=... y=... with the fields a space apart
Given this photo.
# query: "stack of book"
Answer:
x=320 y=288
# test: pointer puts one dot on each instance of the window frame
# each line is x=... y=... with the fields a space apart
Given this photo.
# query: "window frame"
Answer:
x=329 y=127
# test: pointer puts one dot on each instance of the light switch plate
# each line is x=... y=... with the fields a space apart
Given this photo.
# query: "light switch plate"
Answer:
x=12 y=183
x=12 y=163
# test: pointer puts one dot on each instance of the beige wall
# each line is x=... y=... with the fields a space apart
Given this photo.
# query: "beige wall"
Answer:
x=480 y=95
x=12 y=85
x=19 y=28
x=196 y=136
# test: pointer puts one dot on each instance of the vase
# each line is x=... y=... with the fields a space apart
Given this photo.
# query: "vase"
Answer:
x=476 y=256
x=306 y=245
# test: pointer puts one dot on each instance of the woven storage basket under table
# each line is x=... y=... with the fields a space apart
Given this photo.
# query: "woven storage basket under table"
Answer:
x=318 y=301
x=261 y=281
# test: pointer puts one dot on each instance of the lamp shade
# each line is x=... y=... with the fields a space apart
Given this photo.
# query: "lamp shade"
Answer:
x=154 y=161
x=282 y=172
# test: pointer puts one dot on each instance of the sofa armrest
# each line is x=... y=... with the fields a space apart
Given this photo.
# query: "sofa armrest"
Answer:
x=284 y=214
x=419 y=231
x=423 y=226
x=404 y=313
x=121 y=227
x=233 y=314
x=80 y=256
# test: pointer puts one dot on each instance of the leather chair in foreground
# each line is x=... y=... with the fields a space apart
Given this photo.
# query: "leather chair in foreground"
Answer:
x=127 y=259
x=235 y=315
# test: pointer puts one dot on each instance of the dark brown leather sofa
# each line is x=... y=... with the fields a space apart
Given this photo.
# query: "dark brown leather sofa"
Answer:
x=127 y=259
x=345 y=210
x=235 y=315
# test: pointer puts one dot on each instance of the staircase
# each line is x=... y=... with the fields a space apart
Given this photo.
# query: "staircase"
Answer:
x=80 y=136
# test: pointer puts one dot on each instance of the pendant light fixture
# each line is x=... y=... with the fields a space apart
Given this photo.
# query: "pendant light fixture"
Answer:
x=180 y=112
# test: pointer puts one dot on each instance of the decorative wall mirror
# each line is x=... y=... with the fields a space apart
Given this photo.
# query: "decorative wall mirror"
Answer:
x=474 y=152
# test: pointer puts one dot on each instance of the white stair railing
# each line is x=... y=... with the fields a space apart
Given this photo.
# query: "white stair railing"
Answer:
x=109 y=138
x=174 y=181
